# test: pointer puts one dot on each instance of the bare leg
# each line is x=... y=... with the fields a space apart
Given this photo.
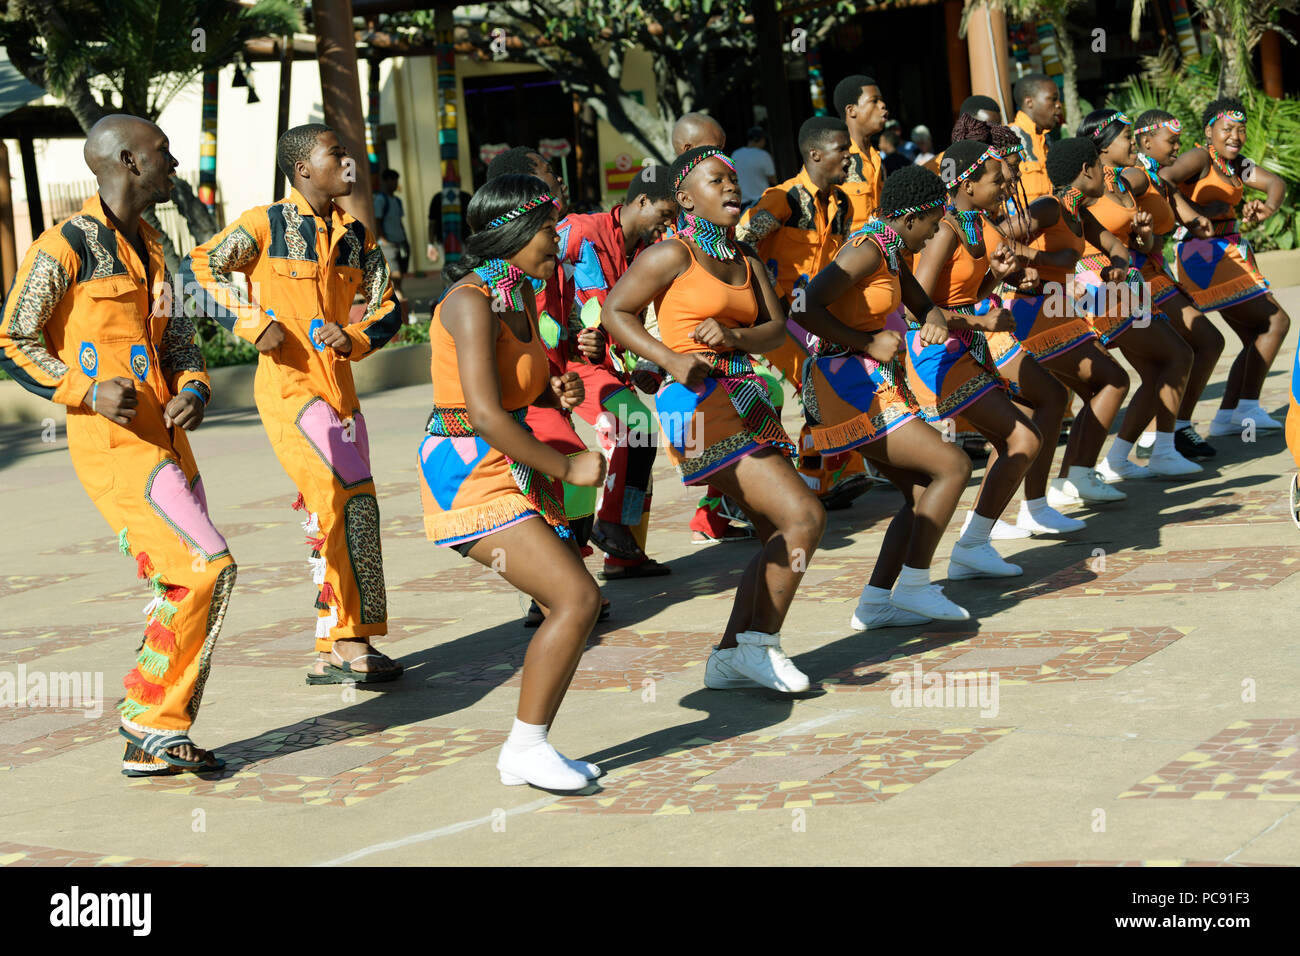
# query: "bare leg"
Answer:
x=1102 y=382
x=1047 y=397
x=931 y=473
x=536 y=561
x=1163 y=361
x=768 y=489
x=1261 y=324
x=1016 y=442
x=1206 y=343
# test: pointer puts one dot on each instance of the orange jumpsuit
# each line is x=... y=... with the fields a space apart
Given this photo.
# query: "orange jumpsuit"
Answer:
x=797 y=229
x=83 y=309
x=304 y=271
x=866 y=179
x=1033 y=162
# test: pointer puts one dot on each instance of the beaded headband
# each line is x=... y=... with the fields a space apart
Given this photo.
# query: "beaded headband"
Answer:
x=923 y=207
x=1002 y=152
x=1235 y=115
x=1173 y=125
x=712 y=151
x=520 y=210
x=1117 y=115
x=989 y=153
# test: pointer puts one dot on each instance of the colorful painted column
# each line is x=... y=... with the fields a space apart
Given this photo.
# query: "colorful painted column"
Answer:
x=208 y=142
x=816 y=86
x=448 y=146
x=372 y=119
x=1051 y=58
x=1183 y=27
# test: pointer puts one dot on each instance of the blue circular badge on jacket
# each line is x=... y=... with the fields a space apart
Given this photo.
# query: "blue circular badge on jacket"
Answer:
x=139 y=362
x=316 y=325
x=88 y=358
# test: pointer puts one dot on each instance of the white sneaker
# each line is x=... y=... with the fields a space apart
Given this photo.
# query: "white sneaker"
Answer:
x=980 y=562
x=757 y=661
x=1170 y=464
x=1126 y=470
x=1088 y=486
x=1048 y=521
x=929 y=601
x=872 y=615
x=1222 y=429
x=540 y=766
x=1263 y=422
x=1059 y=497
x=1001 y=530
x=588 y=770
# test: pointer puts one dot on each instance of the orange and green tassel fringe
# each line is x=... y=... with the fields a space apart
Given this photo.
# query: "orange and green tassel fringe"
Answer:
x=121 y=542
x=160 y=638
x=131 y=709
x=144 y=690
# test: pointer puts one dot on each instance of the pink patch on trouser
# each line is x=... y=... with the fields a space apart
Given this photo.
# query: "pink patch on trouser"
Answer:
x=347 y=455
x=170 y=495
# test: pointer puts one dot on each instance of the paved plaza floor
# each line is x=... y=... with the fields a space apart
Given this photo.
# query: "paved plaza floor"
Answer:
x=1147 y=704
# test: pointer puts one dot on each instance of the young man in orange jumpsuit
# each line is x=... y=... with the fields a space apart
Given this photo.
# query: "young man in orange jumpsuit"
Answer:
x=858 y=102
x=91 y=322
x=797 y=227
x=306 y=259
x=1038 y=112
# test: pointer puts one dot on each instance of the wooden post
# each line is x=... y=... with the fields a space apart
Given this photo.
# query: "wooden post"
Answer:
x=8 y=247
x=986 y=39
x=336 y=54
x=282 y=117
x=1270 y=63
x=31 y=178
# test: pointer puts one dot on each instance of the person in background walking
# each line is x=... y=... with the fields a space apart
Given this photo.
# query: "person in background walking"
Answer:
x=392 y=234
x=754 y=166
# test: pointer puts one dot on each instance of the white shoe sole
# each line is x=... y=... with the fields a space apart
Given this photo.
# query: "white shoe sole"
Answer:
x=1033 y=527
x=1111 y=477
x=905 y=618
x=935 y=614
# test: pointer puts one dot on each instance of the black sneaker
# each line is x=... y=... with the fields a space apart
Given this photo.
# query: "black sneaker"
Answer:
x=1191 y=445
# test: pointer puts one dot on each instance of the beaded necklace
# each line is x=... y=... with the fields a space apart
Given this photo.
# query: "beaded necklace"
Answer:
x=710 y=237
x=969 y=220
x=1114 y=179
x=890 y=242
x=507 y=282
x=1071 y=200
x=1222 y=166
x=1151 y=168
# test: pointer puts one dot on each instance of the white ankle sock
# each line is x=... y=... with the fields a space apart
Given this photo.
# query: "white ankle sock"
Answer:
x=1164 y=444
x=978 y=531
x=1181 y=424
x=914 y=577
x=1224 y=416
x=525 y=736
x=1119 y=451
x=1037 y=506
x=874 y=595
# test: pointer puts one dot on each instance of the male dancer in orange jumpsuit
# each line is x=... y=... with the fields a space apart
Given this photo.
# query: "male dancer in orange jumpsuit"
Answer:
x=90 y=322
x=306 y=258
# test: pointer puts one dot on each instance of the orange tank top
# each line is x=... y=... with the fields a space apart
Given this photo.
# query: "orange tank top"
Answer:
x=1114 y=218
x=1054 y=238
x=1154 y=203
x=1213 y=185
x=696 y=295
x=870 y=300
x=522 y=369
x=961 y=276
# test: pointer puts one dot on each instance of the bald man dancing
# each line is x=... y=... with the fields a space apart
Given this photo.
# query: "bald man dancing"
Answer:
x=90 y=323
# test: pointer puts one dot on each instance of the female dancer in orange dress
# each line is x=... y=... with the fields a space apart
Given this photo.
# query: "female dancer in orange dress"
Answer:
x=715 y=307
x=856 y=395
x=485 y=476
x=961 y=374
x=1119 y=309
x=1156 y=135
x=1220 y=272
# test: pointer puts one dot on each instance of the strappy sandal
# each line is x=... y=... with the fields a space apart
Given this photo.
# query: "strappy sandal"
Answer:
x=347 y=675
x=605 y=544
x=153 y=748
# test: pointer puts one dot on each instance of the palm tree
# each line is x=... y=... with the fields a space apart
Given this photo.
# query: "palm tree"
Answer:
x=1237 y=26
x=1053 y=12
x=143 y=52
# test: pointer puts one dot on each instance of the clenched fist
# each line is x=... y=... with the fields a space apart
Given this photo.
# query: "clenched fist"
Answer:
x=568 y=389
